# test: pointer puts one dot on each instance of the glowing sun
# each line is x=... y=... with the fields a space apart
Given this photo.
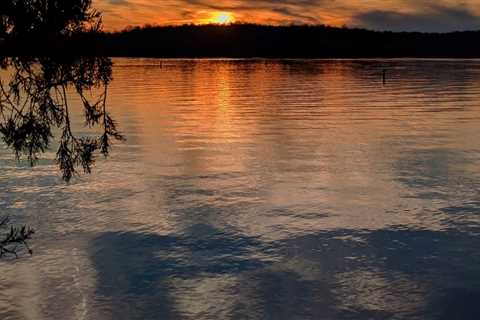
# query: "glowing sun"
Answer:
x=222 y=18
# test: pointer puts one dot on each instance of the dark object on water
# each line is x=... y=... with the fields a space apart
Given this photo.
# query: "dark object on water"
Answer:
x=384 y=76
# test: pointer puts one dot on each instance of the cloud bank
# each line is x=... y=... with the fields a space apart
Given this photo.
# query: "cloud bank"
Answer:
x=395 y=15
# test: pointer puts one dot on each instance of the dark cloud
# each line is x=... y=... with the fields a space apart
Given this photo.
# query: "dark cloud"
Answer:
x=434 y=19
x=119 y=2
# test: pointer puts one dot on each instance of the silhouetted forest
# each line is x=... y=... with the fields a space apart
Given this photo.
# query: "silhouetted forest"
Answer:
x=249 y=40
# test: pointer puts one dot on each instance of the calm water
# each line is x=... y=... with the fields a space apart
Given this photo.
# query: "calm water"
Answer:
x=262 y=190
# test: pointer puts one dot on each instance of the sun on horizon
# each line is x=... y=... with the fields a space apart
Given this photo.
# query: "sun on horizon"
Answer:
x=222 y=18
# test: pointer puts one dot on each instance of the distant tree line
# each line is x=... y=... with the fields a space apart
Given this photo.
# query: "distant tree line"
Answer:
x=250 y=40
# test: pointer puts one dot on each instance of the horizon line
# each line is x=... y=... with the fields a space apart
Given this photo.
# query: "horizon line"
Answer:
x=129 y=28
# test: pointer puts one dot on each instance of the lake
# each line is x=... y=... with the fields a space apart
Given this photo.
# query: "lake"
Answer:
x=261 y=189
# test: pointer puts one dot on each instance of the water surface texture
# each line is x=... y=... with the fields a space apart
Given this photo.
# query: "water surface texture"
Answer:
x=252 y=189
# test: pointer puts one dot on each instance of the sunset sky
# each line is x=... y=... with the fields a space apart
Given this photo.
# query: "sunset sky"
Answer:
x=396 y=15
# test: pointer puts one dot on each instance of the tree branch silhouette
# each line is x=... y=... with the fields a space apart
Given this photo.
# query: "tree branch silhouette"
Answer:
x=34 y=101
x=36 y=90
x=14 y=239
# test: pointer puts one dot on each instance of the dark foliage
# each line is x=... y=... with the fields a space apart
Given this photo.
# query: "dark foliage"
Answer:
x=34 y=96
x=34 y=101
x=14 y=239
x=41 y=18
x=38 y=74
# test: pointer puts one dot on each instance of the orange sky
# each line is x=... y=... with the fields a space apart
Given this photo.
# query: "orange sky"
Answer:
x=421 y=15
